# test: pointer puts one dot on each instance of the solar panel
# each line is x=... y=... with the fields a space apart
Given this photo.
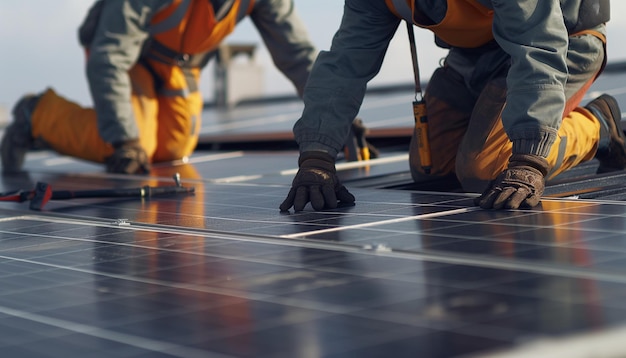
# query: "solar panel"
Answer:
x=406 y=272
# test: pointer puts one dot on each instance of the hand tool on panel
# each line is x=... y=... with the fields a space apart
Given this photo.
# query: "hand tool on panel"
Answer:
x=43 y=193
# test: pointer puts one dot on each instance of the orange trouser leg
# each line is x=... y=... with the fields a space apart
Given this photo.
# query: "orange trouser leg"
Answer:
x=180 y=107
x=474 y=145
x=486 y=149
x=179 y=126
x=72 y=130
x=466 y=133
x=68 y=128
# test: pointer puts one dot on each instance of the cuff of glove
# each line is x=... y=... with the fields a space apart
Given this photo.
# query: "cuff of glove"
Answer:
x=534 y=141
x=530 y=160
x=315 y=159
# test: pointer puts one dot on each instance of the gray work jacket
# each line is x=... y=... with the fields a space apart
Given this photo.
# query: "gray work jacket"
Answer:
x=124 y=26
x=534 y=33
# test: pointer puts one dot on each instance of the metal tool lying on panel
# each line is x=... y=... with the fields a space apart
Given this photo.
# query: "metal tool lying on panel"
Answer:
x=43 y=193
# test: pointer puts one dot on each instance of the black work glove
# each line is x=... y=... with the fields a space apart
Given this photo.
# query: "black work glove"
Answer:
x=317 y=182
x=520 y=185
x=128 y=158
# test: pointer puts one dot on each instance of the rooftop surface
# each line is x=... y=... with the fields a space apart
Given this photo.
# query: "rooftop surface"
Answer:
x=408 y=271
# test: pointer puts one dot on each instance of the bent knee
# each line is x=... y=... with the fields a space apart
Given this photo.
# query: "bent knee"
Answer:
x=474 y=174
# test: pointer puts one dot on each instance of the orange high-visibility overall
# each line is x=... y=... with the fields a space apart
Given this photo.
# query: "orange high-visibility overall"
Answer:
x=168 y=116
x=473 y=143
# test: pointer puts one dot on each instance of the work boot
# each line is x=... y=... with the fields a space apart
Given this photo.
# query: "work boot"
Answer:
x=612 y=147
x=18 y=138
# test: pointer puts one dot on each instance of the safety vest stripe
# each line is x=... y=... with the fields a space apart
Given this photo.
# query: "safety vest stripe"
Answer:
x=241 y=13
x=223 y=11
x=177 y=16
x=243 y=9
x=173 y=20
x=403 y=9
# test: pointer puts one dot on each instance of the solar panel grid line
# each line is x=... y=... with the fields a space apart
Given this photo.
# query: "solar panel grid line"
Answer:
x=164 y=284
x=383 y=222
x=111 y=335
x=382 y=214
x=421 y=254
x=235 y=237
x=402 y=273
x=357 y=164
x=226 y=239
x=565 y=218
x=325 y=308
x=202 y=159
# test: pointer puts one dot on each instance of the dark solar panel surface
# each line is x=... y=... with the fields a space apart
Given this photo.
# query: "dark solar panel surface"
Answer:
x=222 y=273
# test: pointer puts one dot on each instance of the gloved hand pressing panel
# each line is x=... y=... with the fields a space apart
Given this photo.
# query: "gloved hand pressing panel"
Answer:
x=316 y=182
x=520 y=185
x=128 y=158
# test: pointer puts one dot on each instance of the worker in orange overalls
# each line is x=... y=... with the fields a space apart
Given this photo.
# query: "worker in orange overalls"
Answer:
x=143 y=65
x=504 y=111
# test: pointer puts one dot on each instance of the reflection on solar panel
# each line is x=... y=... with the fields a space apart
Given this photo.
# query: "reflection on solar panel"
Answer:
x=407 y=272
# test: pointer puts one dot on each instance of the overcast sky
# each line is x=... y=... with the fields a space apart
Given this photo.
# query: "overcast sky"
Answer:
x=40 y=47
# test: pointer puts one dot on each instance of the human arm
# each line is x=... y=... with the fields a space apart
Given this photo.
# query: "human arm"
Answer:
x=338 y=80
x=335 y=91
x=286 y=39
x=115 y=47
x=534 y=34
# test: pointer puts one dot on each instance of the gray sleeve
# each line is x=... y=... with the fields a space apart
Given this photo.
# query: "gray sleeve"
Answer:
x=286 y=39
x=336 y=86
x=115 y=48
x=533 y=33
